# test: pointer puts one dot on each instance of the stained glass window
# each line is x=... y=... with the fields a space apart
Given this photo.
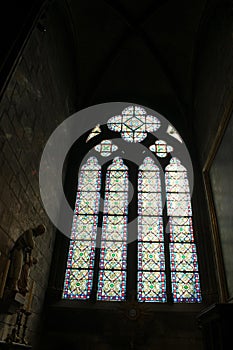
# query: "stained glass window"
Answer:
x=133 y=124
x=105 y=148
x=161 y=148
x=151 y=259
x=172 y=132
x=80 y=264
x=113 y=254
x=167 y=264
x=184 y=267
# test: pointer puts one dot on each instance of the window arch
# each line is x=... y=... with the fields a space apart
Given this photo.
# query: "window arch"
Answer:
x=98 y=265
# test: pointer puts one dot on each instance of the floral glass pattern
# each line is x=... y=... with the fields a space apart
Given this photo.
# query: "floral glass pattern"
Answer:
x=80 y=263
x=105 y=148
x=151 y=259
x=161 y=148
x=183 y=256
x=133 y=124
x=113 y=254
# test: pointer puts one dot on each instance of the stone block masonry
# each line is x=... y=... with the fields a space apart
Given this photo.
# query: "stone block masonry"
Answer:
x=33 y=105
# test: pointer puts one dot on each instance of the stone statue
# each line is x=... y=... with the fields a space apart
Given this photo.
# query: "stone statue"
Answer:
x=23 y=279
x=22 y=260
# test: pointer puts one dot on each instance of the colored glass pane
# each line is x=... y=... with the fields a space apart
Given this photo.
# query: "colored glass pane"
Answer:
x=105 y=148
x=161 y=148
x=80 y=263
x=186 y=287
x=151 y=256
x=148 y=180
x=112 y=285
x=181 y=229
x=149 y=203
x=133 y=124
x=81 y=254
x=175 y=165
x=78 y=284
x=151 y=286
x=177 y=182
x=84 y=227
x=183 y=257
x=87 y=203
x=114 y=228
x=179 y=204
x=151 y=259
x=115 y=203
x=113 y=255
x=150 y=228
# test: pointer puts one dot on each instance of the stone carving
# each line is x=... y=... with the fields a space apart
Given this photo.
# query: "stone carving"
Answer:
x=23 y=279
x=22 y=260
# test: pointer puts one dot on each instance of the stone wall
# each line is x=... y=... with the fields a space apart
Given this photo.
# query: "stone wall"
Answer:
x=40 y=95
x=214 y=80
x=213 y=103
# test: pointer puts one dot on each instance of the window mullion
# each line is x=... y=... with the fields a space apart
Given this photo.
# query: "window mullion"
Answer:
x=132 y=255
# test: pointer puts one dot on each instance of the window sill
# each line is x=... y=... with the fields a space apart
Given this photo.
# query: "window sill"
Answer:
x=65 y=304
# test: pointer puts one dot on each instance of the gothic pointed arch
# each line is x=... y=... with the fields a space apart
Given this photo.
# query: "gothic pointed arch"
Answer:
x=132 y=187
